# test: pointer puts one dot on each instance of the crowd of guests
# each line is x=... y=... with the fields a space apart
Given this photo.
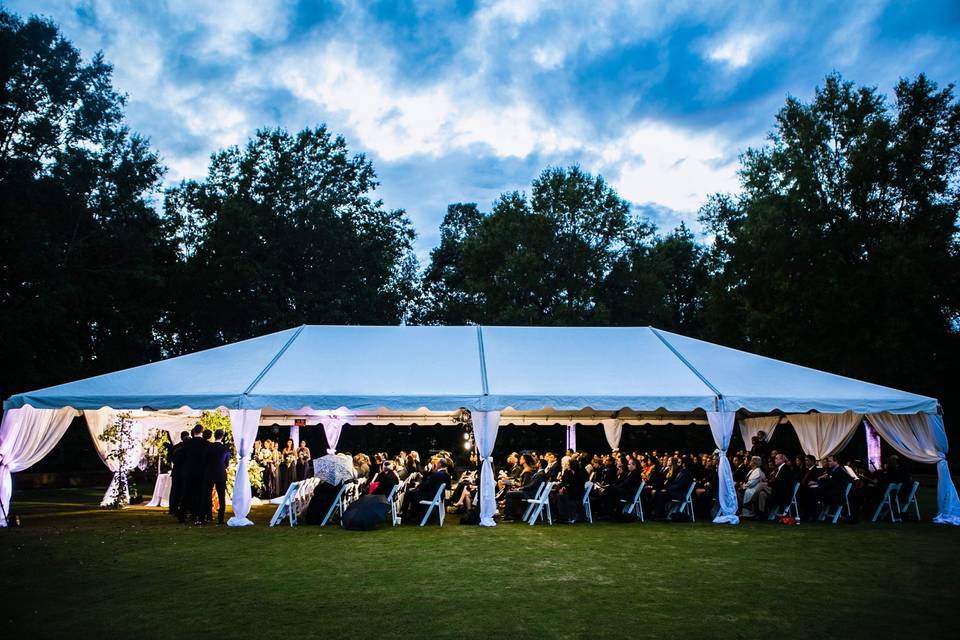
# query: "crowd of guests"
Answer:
x=281 y=467
x=766 y=479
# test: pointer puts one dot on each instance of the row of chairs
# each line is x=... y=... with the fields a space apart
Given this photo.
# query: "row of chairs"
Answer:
x=295 y=501
x=538 y=507
x=890 y=505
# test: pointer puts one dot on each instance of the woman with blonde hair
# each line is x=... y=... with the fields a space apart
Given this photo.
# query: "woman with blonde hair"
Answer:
x=751 y=486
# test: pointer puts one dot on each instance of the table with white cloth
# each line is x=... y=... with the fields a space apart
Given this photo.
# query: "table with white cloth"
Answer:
x=161 y=491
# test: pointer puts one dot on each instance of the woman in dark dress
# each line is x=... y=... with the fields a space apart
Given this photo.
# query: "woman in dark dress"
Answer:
x=288 y=468
x=304 y=468
x=570 y=494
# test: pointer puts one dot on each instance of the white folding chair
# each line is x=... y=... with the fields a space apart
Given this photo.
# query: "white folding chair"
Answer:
x=679 y=506
x=526 y=512
x=634 y=506
x=785 y=510
x=285 y=508
x=541 y=505
x=302 y=499
x=436 y=503
x=338 y=504
x=394 y=504
x=587 y=510
x=887 y=504
x=845 y=502
x=911 y=500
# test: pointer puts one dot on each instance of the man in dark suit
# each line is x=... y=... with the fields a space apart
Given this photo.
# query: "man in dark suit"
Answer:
x=553 y=466
x=676 y=490
x=427 y=489
x=177 y=474
x=807 y=495
x=782 y=483
x=191 y=501
x=216 y=459
x=833 y=483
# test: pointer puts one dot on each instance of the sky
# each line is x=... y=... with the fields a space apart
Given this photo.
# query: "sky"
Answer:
x=461 y=101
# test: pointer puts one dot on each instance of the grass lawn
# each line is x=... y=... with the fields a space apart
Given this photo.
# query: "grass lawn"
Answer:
x=75 y=571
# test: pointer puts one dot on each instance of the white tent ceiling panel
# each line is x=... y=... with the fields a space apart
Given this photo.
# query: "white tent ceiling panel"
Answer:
x=604 y=368
x=759 y=384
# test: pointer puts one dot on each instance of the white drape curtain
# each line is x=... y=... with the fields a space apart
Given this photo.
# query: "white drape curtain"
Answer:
x=750 y=427
x=823 y=434
x=97 y=423
x=295 y=436
x=244 y=423
x=572 y=436
x=26 y=435
x=612 y=429
x=721 y=426
x=922 y=437
x=332 y=427
x=486 y=424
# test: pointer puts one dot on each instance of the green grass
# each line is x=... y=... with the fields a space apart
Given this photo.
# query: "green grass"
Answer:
x=73 y=570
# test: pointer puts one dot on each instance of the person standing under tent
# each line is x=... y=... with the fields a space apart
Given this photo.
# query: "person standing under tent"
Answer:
x=191 y=501
x=217 y=457
x=177 y=474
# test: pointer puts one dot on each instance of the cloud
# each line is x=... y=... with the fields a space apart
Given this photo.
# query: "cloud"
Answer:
x=738 y=50
x=460 y=101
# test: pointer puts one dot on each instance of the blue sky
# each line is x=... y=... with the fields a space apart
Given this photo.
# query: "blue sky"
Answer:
x=460 y=101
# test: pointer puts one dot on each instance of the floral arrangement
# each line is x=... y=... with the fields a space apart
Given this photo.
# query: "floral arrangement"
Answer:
x=157 y=448
x=120 y=436
x=254 y=472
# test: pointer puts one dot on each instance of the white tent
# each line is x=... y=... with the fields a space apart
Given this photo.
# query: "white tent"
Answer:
x=513 y=374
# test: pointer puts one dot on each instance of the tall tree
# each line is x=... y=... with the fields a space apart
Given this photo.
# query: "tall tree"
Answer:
x=536 y=260
x=84 y=257
x=285 y=231
x=841 y=251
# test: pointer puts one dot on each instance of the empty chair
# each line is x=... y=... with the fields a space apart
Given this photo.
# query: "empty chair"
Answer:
x=541 y=505
x=888 y=504
x=844 y=503
x=679 y=506
x=904 y=507
x=634 y=506
x=788 y=509
x=285 y=508
x=587 y=511
x=436 y=503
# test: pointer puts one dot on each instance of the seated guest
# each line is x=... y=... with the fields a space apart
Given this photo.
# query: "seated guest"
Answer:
x=751 y=487
x=427 y=489
x=624 y=489
x=741 y=468
x=570 y=494
x=384 y=482
x=514 y=501
x=781 y=485
x=552 y=469
x=833 y=483
x=676 y=490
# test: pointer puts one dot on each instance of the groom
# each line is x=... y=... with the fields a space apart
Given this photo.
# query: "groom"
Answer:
x=216 y=459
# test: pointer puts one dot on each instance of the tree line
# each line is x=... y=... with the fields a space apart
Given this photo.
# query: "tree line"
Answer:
x=839 y=251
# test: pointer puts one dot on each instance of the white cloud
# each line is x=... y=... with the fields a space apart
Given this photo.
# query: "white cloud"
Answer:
x=667 y=166
x=737 y=50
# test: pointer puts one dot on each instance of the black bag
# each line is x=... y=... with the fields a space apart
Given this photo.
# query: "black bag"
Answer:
x=471 y=516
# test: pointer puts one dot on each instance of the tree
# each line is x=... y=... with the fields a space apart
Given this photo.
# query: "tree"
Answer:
x=283 y=232
x=841 y=250
x=84 y=257
x=542 y=260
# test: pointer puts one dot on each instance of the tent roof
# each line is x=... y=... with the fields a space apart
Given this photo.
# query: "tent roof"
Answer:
x=444 y=368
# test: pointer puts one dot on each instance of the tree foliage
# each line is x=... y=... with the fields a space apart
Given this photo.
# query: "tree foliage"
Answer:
x=841 y=250
x=84 y=256
x=282 y=232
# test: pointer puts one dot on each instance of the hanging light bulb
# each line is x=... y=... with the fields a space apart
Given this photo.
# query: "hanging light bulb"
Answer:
x=467 y=445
